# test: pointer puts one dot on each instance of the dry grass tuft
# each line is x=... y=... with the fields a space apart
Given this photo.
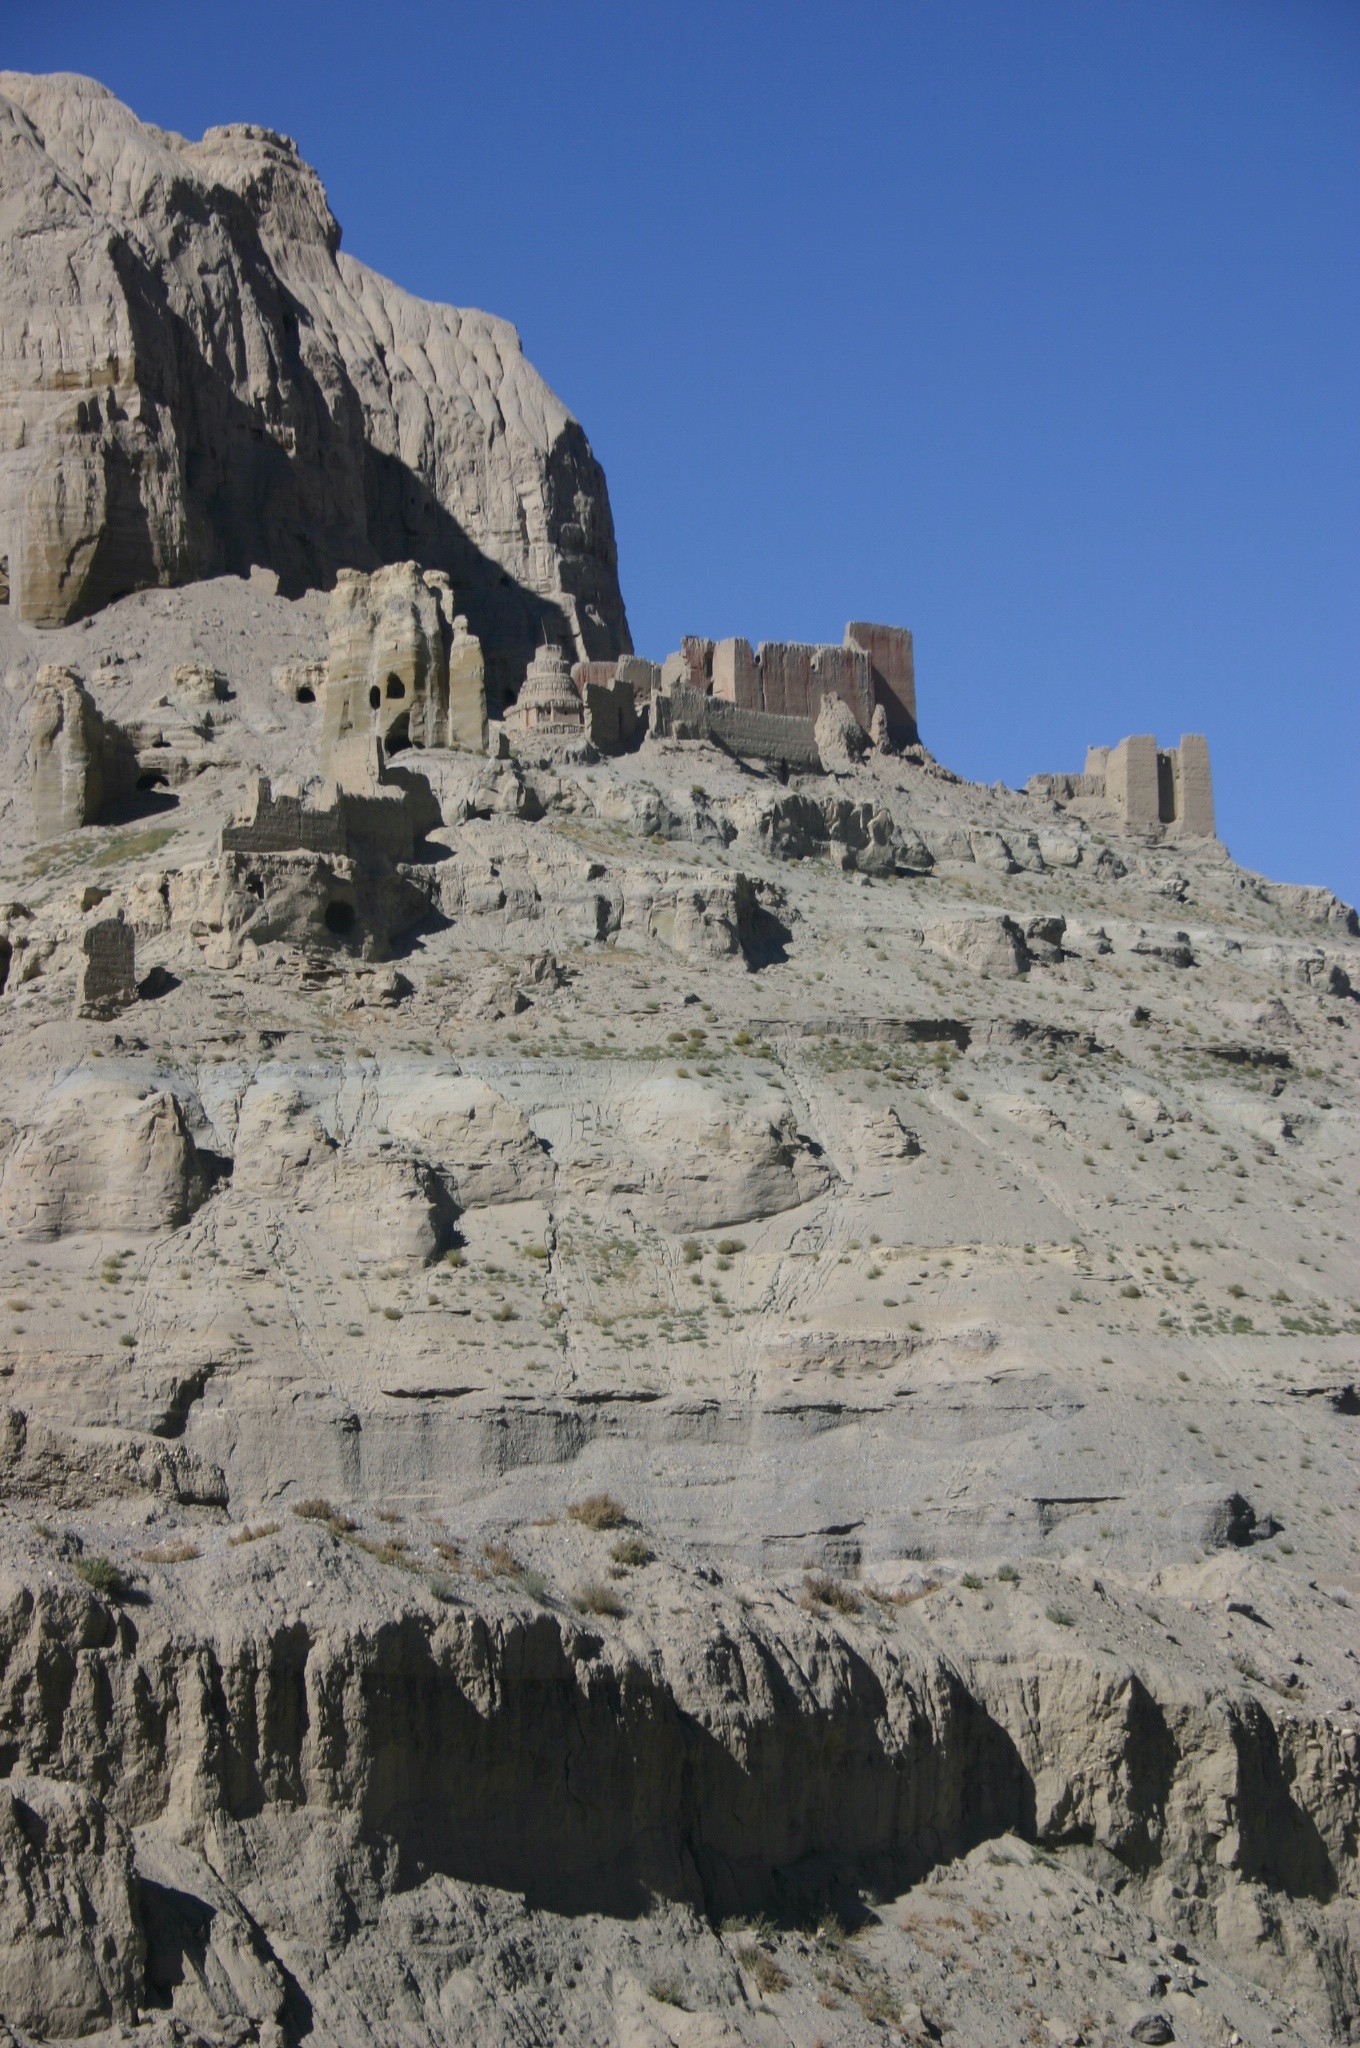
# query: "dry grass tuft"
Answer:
x=386 y=1549
x=168 y=1553
x=501 y=1559
x=821 y=1590
x=593 y=1598
x=598 y=1511
x=763 y=1967
x=249 y=1535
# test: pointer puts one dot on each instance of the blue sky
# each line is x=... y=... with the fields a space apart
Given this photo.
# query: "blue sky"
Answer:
x=1031 y=324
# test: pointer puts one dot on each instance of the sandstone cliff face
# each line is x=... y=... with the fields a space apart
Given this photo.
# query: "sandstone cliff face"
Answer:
x=194 y=379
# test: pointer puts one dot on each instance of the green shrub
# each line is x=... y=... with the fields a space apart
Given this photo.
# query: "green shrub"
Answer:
x=104 y=1577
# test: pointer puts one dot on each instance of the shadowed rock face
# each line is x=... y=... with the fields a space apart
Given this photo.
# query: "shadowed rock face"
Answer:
x=204 y=383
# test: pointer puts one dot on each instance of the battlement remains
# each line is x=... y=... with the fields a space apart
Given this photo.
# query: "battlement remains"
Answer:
x=764 y=703
x=1150 y=786
x=377 y=819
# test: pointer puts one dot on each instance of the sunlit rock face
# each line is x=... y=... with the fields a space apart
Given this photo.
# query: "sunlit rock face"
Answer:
x=196 y=379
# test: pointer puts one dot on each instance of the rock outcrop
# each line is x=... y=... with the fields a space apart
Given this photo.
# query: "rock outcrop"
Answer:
x=79 y=763
x=197 y=379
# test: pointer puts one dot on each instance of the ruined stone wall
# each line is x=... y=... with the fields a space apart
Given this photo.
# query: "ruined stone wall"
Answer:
x=1194 y=788
x=285 y=824
x=1151 y=786
x=1132 y=782
x=753 y=735
x=790 y=679
x=379 y=820
x=892 y=663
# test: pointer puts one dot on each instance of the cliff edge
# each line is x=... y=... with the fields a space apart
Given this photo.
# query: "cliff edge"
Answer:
x=195 y=380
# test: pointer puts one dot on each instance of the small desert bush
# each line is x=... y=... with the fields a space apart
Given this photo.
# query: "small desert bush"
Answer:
x=821 y=1590
x=168 y=1553
x=594 y=1598
x=247 y=1534
x=598 y=1511
x=318 y=1510
x=386 y=1549
x=631 y=1550
x=763 y=1967
x=877 y=2002
x=501 y=1559
x=104 y=1577
x=668 y=1991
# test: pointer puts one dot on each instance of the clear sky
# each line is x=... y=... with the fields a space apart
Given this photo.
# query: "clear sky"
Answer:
x=1031 y=324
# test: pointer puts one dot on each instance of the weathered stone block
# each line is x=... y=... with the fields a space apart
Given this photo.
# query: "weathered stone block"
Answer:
x=467 y=721
x=841 y=739
x=192 y=683
x=108 y=982
x=80 y=763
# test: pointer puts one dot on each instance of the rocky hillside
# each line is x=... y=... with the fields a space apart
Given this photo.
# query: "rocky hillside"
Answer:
x=744 y=1432
x=194 y=378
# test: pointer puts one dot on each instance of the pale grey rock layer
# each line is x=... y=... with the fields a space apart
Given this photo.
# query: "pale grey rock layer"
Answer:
x=194 y=379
